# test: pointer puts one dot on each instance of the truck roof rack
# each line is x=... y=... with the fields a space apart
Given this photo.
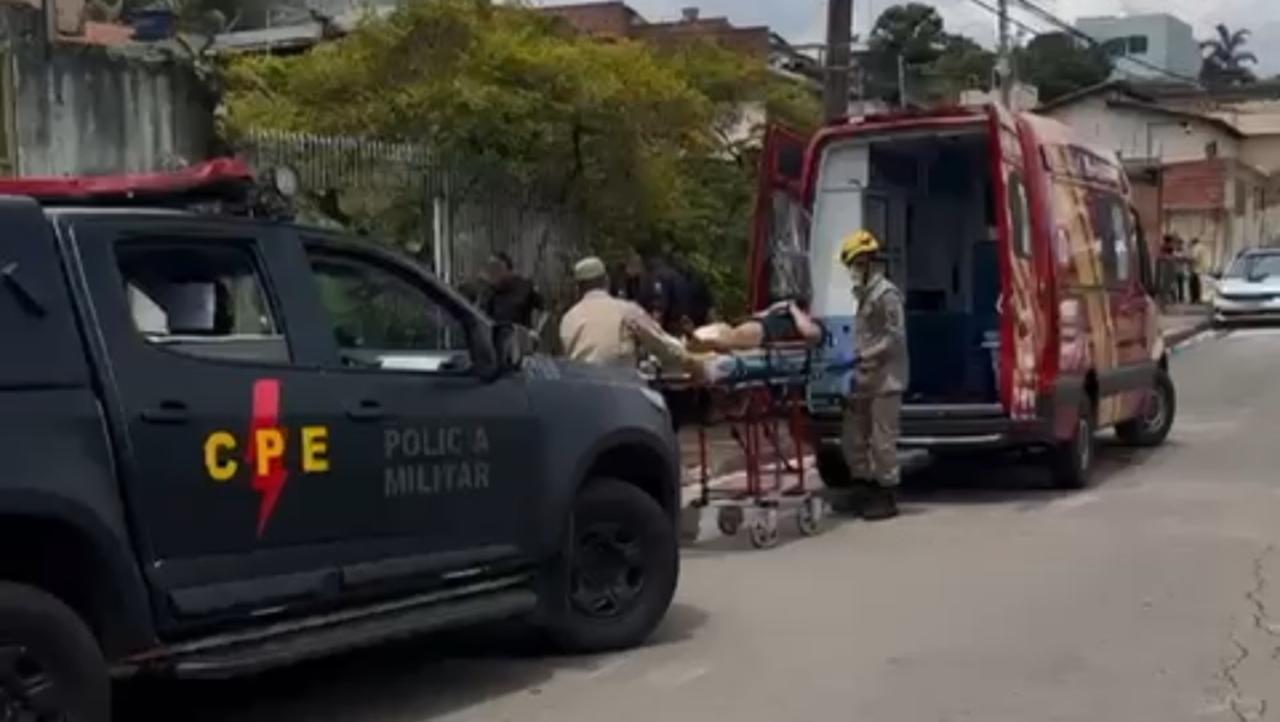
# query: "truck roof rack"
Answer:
x=218 y=180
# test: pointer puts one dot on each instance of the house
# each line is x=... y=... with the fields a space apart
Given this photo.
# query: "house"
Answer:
x=1211 y=179
x=613 y=21
x=1157 y=45
x=81 y=97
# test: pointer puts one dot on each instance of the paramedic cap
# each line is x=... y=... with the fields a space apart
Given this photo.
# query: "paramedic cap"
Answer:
x=589 y=269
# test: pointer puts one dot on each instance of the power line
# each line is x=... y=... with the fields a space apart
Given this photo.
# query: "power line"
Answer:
x=1061 y=24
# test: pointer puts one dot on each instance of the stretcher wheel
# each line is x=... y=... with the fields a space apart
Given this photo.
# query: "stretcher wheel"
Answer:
x=690 y=523
x=729 y=519
x=764 y=530
x=809 y=516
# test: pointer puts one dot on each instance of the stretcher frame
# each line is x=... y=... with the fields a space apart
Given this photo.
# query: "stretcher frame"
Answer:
x=755 y=410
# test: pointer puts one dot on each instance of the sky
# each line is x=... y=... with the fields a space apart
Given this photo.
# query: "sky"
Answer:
x=803 y=21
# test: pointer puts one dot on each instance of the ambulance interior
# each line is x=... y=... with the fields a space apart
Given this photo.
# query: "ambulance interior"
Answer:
x=928 y=197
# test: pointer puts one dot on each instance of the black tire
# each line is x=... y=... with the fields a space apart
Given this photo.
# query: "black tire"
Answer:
x=1153 y=427
x=45 y=646
x=832 y=468
x=615 y=522
x=1071 y=461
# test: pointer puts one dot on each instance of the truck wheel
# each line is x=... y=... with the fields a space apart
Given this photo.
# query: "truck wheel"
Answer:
x=620 y=571
x=50 y=665
x=832 y=467
x=1152 y=427
x=1071 y=461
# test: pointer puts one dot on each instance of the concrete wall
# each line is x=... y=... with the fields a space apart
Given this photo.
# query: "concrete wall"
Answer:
x=1171 y=43
x=86 y=110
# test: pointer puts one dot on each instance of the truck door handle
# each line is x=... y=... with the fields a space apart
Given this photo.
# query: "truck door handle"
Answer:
x=366 y=410
x=168 y=412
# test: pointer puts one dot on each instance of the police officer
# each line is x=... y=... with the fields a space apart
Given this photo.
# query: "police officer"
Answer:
x=872 y=413
x=609 y=331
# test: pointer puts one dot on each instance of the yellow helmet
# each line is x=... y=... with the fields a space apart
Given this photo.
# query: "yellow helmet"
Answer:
x=858 y=244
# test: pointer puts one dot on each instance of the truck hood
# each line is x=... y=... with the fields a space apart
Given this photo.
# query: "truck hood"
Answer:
x=548 y=368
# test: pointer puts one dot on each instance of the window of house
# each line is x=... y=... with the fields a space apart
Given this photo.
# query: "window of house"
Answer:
x=1137 y=44
x=384 y=320
x=201 y=298
x=1115 y=47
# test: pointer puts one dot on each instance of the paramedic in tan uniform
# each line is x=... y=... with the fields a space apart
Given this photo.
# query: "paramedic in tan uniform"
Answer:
x=609 y=331
x=871 y=418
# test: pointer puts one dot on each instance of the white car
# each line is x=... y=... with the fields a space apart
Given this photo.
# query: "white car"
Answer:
x=1250 y=289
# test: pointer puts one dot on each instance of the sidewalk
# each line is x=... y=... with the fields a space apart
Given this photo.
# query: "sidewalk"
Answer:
x=1178 y=324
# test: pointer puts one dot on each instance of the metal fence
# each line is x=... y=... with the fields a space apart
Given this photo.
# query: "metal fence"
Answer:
x=450 y=216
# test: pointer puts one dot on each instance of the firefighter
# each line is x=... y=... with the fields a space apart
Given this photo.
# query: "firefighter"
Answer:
x=870 y=433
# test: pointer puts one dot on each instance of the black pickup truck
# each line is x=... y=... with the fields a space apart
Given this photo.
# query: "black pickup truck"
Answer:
x=229 y=444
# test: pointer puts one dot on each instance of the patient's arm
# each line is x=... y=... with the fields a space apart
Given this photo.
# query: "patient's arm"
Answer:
x=809 y=329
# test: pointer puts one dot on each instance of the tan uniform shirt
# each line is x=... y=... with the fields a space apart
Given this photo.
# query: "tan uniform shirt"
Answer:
x=609 y=331
x=881 y=338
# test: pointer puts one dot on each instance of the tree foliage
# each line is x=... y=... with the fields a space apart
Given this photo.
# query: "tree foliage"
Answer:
x=937 y=65
x=1058 y=65
x=1225 y=60
x=641 y=143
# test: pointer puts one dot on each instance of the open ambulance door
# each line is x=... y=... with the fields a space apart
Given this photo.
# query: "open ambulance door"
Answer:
x=778 y=262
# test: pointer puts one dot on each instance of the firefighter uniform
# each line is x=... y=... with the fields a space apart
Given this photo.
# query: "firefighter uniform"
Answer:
x=609 y=331
x=871 y=422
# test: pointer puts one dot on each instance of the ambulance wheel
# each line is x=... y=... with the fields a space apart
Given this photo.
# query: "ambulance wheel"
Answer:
x=1072 y=460
x=619 y=571
x=832 y=467
x=1153 y=425
x=729 y=520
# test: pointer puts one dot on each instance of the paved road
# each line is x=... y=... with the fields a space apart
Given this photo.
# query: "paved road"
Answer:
x=1153 y=596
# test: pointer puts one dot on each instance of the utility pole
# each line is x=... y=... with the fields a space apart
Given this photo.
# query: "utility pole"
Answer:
x=839 y=58
x=1004 y=64
x=902 y=81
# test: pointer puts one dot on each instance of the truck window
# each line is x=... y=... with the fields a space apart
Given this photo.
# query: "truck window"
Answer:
x=383 y=320
x=201 y=298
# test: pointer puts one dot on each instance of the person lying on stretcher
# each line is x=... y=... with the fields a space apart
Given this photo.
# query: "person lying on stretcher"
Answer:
x=784 y=322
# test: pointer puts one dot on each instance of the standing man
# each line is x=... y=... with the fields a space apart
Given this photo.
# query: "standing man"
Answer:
x=1199 y=269
x=871 y=418
x=511 y=298
x=609 y=331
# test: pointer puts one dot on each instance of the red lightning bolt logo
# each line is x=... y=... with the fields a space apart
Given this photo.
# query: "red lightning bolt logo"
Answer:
x=266 y=416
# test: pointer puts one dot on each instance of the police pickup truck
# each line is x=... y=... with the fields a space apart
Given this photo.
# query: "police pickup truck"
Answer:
x=231 y=443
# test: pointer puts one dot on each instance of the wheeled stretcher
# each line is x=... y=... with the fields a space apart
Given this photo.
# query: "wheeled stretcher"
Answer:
x=758 y=395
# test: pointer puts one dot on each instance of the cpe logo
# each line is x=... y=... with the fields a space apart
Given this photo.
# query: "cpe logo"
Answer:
x=262 y=450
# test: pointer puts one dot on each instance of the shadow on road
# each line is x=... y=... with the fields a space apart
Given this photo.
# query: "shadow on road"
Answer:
x=1011 y=478
x=408 y=682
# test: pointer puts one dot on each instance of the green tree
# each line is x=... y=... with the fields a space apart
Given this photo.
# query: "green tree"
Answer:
x=1058 y=65
x=1224 y=58
x=637 y=142
x=937 y=64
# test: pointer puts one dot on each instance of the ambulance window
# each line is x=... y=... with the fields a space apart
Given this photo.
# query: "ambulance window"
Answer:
x=383 y=320
x=1019 y=216
x=201 y=298
x=1110 y=219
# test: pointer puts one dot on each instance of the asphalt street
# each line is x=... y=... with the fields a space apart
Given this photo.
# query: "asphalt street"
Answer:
x=1154 y=595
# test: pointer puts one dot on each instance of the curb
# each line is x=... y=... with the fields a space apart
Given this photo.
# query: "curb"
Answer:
x=1174 y=339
